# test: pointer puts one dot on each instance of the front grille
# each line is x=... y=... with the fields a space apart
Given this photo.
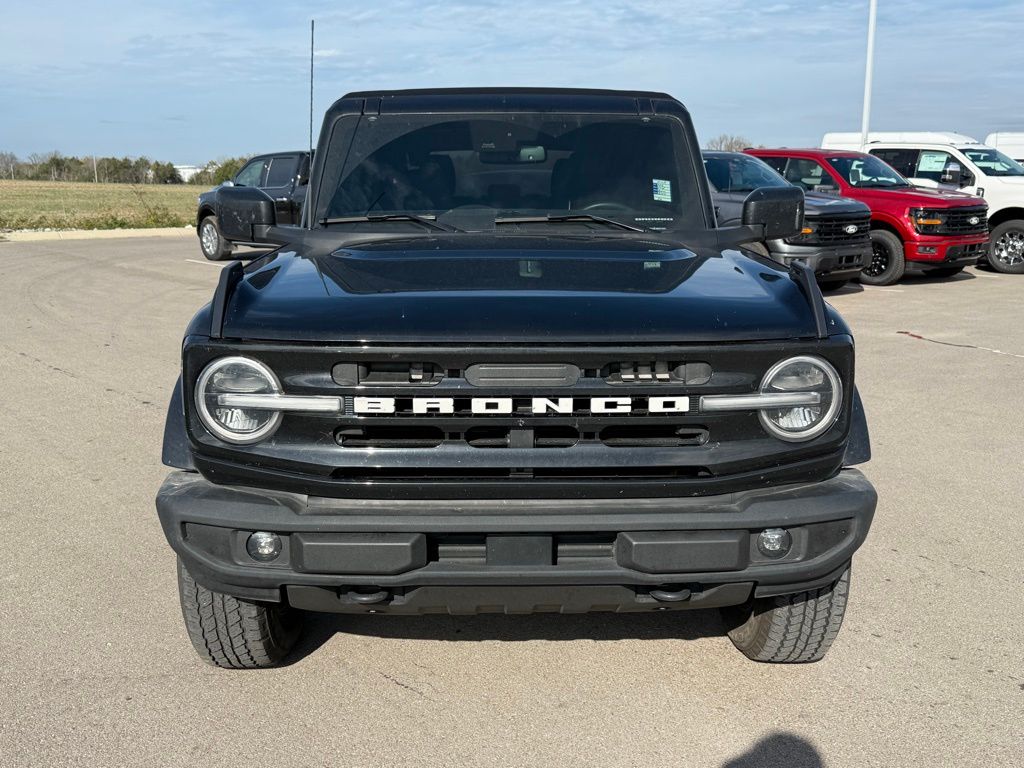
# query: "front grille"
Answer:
x=631 y=435
x=963 y=221
x=832 y=230
x=562 y=448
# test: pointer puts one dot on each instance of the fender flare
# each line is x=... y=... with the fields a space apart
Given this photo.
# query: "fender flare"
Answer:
x=176 y=452
x=858 y=447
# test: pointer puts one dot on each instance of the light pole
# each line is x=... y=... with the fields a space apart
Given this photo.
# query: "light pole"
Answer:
x=868 y=73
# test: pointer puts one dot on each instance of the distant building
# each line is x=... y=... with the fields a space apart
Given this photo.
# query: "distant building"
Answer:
x=187 y=171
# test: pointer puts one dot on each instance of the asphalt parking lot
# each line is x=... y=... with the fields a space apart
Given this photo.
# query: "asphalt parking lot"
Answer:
x=97 y=670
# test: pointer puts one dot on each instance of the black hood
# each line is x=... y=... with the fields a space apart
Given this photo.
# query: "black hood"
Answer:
x=817 y=204
x=486 y=288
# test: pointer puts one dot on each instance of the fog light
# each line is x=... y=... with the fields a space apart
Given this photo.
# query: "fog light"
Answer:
x=774 y=542
x=264 y=546
x=927 y=249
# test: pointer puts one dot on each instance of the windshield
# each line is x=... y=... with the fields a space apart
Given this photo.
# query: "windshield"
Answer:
x=467 y=171
x=993 y=162
x=740 y=173
x=867 y=171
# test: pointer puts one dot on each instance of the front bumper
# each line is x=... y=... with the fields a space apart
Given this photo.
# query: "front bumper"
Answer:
x=832 y=262
x=370 y=555
x=943 y=252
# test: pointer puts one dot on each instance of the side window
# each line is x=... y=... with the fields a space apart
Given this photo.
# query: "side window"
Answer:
x=281 y=171
x=932 y=163
x=251 y=174
x=778 y=163
x=903 y=160
x=808 y=174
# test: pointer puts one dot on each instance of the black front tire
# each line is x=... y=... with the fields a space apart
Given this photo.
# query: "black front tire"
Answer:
x=1006 y=248
x=790 y=629
x=232 y=633
x=887 y=261
x=211 y=240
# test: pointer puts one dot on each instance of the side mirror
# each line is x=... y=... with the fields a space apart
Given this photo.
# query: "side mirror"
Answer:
x=953 y=174
x=246 y=213
x=228 y=183
x=779 y=211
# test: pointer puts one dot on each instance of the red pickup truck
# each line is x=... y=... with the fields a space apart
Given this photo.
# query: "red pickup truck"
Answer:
x=938 y=232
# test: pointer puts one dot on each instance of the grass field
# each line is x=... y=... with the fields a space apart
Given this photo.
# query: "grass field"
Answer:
x=67 y=205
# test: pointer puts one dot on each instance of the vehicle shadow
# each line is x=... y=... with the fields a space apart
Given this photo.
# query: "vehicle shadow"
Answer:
x=667 y=625
x=923 y=278
x=785 y=750
x=849 y=288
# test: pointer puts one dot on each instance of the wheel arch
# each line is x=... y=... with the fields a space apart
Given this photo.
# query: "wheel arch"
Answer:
x=1004 y=215
x=204 y=211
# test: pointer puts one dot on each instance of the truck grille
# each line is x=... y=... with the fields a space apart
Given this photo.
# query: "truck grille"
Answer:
x=832 y=230
x=964 y=221
x=520 y=453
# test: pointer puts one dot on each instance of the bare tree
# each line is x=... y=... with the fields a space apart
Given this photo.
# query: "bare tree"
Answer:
x=729 y=143
x=8 y=162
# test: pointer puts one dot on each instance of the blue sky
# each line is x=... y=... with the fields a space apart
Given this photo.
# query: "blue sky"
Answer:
x=188 y=81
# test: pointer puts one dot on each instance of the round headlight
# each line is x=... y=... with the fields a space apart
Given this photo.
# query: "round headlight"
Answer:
x=810 y=375
x=236 y=376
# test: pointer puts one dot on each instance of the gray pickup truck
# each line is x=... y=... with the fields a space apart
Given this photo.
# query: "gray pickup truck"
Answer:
x=835 y=238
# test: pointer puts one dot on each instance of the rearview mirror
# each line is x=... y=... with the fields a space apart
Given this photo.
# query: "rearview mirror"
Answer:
x=246 y=213
x=779 y=211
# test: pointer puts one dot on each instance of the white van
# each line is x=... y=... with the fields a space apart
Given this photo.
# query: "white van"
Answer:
x=956 y=161
x=1008 y=142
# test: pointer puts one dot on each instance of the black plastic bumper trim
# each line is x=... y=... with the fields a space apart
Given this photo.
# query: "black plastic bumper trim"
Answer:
x=187 y=498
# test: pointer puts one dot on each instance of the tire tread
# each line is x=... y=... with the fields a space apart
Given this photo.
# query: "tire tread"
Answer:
x=795 y=628
x=232 y=633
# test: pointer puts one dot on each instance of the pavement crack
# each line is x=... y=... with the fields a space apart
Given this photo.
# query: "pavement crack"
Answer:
x=960 y=346
x=406 y=686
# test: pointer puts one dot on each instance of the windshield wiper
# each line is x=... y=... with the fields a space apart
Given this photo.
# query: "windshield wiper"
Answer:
x=427 y=221
x=558 y=217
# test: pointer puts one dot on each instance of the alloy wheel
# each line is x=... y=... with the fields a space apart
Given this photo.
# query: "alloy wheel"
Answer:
x=1009 y=249
x=209 y=238
x=879 y=260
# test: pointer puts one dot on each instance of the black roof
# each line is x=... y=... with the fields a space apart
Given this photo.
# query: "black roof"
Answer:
x=505 y=91
x=502 y=100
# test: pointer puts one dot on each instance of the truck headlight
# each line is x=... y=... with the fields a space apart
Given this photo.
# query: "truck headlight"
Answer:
x=230 y=376
x=802 y=375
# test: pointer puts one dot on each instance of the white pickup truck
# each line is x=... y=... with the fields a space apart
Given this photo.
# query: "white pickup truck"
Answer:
x=955 y=161
x=1008 y=142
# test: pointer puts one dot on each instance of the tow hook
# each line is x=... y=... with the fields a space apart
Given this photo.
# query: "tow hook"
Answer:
x=670 y=596
x=368 y=598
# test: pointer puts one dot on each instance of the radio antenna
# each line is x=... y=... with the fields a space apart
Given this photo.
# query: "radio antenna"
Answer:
x=312 y=26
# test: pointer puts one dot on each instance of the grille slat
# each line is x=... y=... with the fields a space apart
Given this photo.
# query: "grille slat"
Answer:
x=958 y=221
x=832 y=229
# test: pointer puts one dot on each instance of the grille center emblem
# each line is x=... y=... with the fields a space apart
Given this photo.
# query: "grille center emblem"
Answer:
x=851 y=229
x=973 y=220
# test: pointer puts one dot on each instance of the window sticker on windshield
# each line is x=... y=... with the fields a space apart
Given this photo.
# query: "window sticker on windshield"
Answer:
x=662 y=189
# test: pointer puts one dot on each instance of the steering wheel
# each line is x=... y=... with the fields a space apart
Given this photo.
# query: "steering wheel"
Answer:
x=616 y=207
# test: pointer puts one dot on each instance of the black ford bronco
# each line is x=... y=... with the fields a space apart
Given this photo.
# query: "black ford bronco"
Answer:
x=509 y=362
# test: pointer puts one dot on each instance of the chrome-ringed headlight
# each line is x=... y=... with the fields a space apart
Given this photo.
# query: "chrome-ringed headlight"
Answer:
x=815 y=412
x=237 y=376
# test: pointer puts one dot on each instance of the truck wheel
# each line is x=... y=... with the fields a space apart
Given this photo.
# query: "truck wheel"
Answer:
x=232 y=633
x=790 y=628
x=832 y=285
x=887 y=263
x=1006 y=252
x=211 y=241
